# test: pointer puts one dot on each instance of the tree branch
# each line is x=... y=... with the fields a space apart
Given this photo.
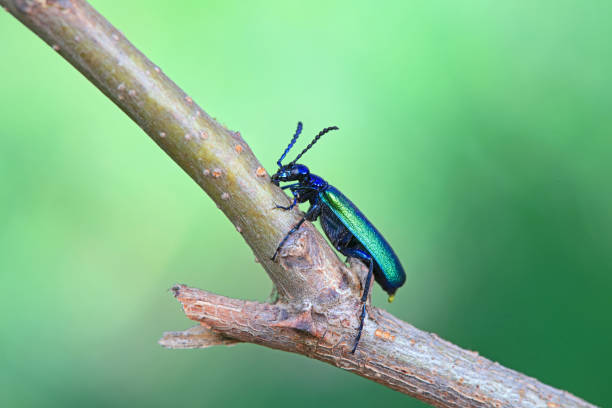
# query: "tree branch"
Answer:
x=318 y=307
x=195 y=337
x=398 y=355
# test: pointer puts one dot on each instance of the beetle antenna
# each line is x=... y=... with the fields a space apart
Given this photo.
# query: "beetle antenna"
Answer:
x=315 y=140
x=297 y=133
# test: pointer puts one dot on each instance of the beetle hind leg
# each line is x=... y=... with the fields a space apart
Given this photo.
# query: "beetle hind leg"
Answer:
x=360 y=254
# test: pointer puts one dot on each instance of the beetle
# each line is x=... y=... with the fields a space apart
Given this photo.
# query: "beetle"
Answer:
x=349 y=231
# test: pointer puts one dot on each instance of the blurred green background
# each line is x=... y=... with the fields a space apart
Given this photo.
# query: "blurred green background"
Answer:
x=474 y=134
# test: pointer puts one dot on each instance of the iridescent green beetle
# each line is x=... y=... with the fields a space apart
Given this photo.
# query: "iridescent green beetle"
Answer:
x=347 y=228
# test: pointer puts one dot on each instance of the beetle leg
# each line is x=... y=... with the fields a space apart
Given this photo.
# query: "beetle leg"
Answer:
x=360 y=254
x=344 y=240
x=293 y=204
x=295 y=189
x=311 y=215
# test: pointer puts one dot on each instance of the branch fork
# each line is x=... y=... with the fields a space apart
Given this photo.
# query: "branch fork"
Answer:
x=329 y=319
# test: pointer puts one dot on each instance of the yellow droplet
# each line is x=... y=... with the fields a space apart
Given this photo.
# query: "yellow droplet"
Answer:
x=391 y=298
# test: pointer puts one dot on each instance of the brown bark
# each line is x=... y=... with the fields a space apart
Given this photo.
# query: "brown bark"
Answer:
x=316 y=314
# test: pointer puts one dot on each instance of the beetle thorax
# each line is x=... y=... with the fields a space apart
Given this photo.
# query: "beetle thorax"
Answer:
x=317 y=182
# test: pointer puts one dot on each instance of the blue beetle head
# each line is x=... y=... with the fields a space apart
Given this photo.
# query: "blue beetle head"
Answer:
x=294 y=171
x=291 y=172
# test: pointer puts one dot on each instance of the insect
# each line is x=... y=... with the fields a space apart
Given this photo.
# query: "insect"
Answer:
x=347 y=228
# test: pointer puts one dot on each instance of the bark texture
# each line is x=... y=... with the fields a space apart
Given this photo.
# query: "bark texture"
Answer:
x=318 y=307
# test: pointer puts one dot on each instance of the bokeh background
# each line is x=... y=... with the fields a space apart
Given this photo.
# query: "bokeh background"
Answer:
x=476 y=135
